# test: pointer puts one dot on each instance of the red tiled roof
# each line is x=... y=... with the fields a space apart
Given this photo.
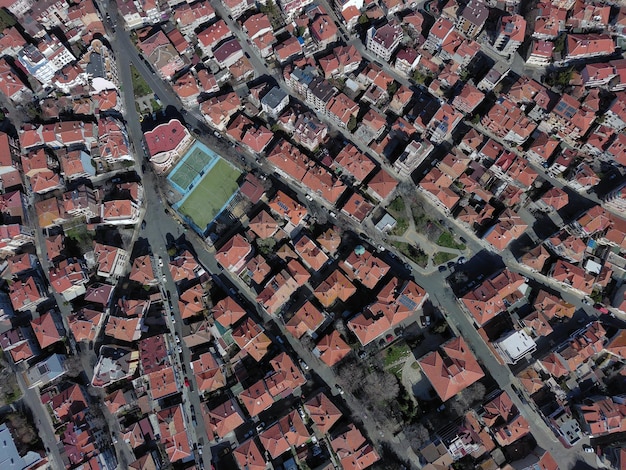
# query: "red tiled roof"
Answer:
x=332 y=348
x=452 y=370
x=323 y=412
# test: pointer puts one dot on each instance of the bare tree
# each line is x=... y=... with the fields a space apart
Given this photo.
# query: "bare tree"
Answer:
x=417 y=435
x=381 y=386
x=471 y=396
x=351 y=376
x=73 y=366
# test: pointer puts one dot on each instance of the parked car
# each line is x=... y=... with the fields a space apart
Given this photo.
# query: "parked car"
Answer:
x=339 y=389
x=588 y=449
x=461 y=260
x=304 y=365
x=186 y=381
x=601 y=308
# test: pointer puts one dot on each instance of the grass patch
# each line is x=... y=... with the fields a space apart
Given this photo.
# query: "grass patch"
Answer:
x=413 y=253
x=443 y=257
x=397 y=370
x=140 y=86
x=208 y=198
x=446 y=239
x=402 y=225
x=6 y=20
x=397 y=205
x=396 y=352
x=156 y=107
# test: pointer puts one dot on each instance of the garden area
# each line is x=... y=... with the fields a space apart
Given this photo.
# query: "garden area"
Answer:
x=446 y=239
x=397 y=210
x=9 y=389
x=415 y=254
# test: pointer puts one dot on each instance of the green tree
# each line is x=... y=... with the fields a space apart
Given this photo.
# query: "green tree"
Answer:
x=364 y=19
x=392 y=87
x=352 y=123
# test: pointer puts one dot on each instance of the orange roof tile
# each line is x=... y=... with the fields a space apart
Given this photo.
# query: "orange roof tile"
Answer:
x=45 y=330
x=332 y=348
x=335 y=286
x=323 y=412
x=452 y=370
x=306 y=320
x=225 y=418
x=256 y=398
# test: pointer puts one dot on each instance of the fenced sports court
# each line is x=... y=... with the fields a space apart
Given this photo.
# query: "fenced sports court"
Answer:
x=207 y=183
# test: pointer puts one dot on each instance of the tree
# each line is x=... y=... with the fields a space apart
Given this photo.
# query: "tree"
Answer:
x=73 y=366
x=417 y=435
x=266 y=246
x=352 y=123
x=364 y=19
x=351 y=376
x=471 y=396
x=381 y=386
x=392 y=87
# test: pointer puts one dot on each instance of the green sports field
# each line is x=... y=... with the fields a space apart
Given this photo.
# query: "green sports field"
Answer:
x=193 y=164
x=207 y=199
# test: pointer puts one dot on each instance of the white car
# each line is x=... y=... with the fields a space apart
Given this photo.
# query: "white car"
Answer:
x=588 y=449
x=177 y=339
x=160 y=262
x=304 y=365
x=308 y=197
x=179 y=349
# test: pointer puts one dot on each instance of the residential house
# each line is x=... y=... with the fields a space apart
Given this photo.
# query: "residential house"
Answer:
x=142 y=271
x=187 y=89
x=511 y=31
x=331 y=349
x=27 y=293
x=353 y=450
x=219 y=109
x=288 y=49
x=48 y=331
x=305 y=321
x=472 y=18
x=335 y=286
x=438 y=32
x=274 y=102
x=10 y=84
x=212 y=35
x=493 y=296
x=395 y=303
x=160 y=52
x=603 y=415
x=469 y=98
x=383 y=41
x=69 y=278
x=451 y=369
x=225 y=418
x=111 y=261
x=228 y=53
x=504 y=420
x=236 y=8
x=322 y=412
x=309 y=132
x=382 y=185
x=582 y=46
